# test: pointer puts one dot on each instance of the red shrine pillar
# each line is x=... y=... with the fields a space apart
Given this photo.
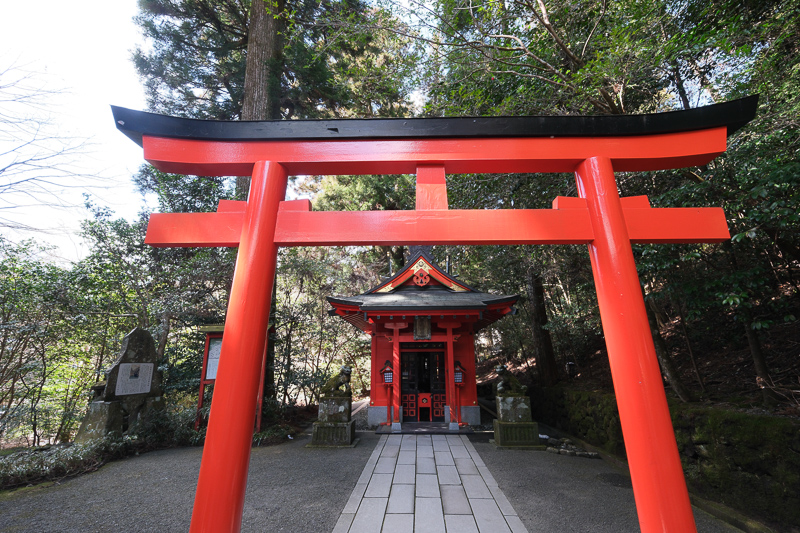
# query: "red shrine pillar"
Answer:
x=398 y=374
x=219 y=500
x=659 y=486
x=450 y=384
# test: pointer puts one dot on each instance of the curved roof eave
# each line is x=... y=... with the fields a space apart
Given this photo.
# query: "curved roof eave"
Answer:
x=733 y=115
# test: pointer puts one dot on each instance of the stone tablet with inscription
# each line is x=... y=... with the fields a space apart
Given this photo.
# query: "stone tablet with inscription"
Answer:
x=131 y=393
x=134 y=378
x=135 y=372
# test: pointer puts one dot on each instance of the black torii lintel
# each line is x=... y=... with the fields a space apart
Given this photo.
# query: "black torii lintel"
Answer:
x=733 y=115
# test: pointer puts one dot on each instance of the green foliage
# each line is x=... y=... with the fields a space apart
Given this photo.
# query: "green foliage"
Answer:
x=747 y=461
x=311 y=345
x=57 y=462
x=172 y=426
x=741 y=460
x=336 y=59
x=43 y=367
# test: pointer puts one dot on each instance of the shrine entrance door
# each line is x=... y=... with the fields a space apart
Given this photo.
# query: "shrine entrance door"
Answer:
x=422 y=385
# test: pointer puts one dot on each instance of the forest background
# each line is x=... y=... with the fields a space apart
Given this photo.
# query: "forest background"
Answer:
x=723 y=316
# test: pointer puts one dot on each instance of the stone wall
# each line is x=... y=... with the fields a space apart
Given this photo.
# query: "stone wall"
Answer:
x=749 y=462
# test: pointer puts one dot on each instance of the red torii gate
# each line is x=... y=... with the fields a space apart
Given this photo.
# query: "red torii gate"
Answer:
x=591 y=147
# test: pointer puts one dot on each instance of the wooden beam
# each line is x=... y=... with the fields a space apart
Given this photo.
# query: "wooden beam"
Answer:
x=566 y=225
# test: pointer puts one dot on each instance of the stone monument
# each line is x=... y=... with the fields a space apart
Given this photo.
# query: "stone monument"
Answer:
x=334 y=426
x=132 y=389
x=514 y=426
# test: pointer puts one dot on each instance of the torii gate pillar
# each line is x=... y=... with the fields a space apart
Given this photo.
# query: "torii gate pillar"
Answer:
x=233 y=408
x=661 y=496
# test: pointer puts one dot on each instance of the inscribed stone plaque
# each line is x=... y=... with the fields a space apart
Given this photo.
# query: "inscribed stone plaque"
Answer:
x=134 y=378
x=214 y=348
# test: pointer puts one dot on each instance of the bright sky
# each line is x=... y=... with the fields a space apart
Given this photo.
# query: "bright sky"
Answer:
x=83 y=49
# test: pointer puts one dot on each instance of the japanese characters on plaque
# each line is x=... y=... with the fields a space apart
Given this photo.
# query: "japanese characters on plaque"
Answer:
x=134 y=378
x=214 y=348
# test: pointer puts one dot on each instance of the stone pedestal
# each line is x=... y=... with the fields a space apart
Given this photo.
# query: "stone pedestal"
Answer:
x=333 y=426
x=102 y=418
x=514 y=426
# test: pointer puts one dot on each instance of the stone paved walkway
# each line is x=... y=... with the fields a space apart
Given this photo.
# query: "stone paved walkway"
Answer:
x=427 y=484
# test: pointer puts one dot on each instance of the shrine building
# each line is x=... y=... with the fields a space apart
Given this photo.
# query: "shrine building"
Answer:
x=422 y=322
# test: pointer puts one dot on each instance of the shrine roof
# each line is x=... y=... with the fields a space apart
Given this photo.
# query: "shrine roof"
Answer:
x=442 y=292
x=423 y=298
x=732 y=115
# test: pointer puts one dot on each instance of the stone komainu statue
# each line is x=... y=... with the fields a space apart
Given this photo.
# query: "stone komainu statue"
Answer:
x=333 y=386
x=508 y=384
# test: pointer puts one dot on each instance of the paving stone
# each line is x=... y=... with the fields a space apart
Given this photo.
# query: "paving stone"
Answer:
x=460 y=524
x=406 y=457
x=343 y=524
x=355 y=499
x=379 y=486
x=426 y=465
x=502 y=501
x=454 y=500
x=390 y=450
x=404 y=474
x=376 y=452
x=424 y=439
x=398 y=523
x=394 y=440
x=385 y=465
x=476 y=458
x=488 y=516
x=516 y=524
x=440 y=445
x=453 y=439
x=473 y=486
x=425 y=451
x=465 y=466
x=472 y=452
x=448 y=475
x=409 y=443
x=401 y=500
x=428 y=517
x=369 y=517
x=488 y=478
x=459 y=451
x=427 y=486
x=444 y=458
x=366 y=474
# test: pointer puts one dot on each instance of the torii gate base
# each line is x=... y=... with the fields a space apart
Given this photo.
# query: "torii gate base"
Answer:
x=603 y=221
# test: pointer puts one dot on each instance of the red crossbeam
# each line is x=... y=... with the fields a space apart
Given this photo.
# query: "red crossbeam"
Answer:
x=457 y=156
x=567 y=224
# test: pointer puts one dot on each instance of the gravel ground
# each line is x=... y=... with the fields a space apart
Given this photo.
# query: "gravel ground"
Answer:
x=559 y=493
x=291 y=488
x=296 y=489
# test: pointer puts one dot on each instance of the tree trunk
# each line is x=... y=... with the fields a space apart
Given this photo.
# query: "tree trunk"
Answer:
x=665 y=360
x=676 y=76
x=163 y=336
x=542 y=342
x=262 y=91
x=263 y=69
x=762 y=371
x=689 y=345
x=763 y=379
